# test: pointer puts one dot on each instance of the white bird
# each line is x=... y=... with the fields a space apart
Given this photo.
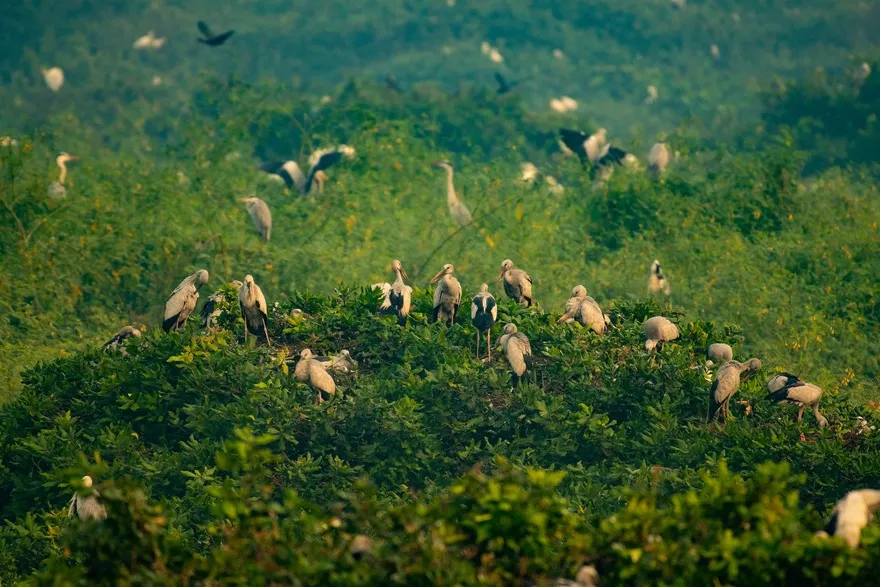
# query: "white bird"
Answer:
x=495 y=56
x=214 y=306
x=528 y=172
x=312 y=372
x=653 y=94
x=558 y=54
x=726 y=383
x=553 y=185
x=182 y=301
x=86 y=506
x=657 y=281
x=718 y=352
x=582 y=308
x=459 y=212
x=852 y=513
x=484 y=313
x=517 y=283
x=56 y=189
x=260 y=216
x=595 y=145
x=658 y=159
x=54 y=77
x=556 y=105
x=801 y=394
x=658 y=329
x=253 y=308
x=124 y=334
x=568 y=103
x=447 y=296
x=518 y=350
x=291 y=175
x=398 y=296
x=149 y=41
x=7 y=141
x=343 y=362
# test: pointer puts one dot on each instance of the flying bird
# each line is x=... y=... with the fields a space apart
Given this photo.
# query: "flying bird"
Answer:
x=182 y=301
x=56 y=189
x=290 y=173
x=801 y=394
x=852 y=513
x=253 y=308
x=447 y=296
x=214 y=306
x=504 y=86
x=657 y=281
x=484 y=313
x=124 y=334
x=392 y=84
x=583 y=309
x=586 y=147
x=518 y=350
x=398 y=296
x=658 y=329
x=457 y=210
x=726 y=383
x=260 y=215
x=312 y=372
x=85 y=504
x=517 y=283
x=208 y=36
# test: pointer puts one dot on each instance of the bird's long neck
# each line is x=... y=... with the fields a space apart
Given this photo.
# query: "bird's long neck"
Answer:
x=63 y=166
x=399 y=280
x=451 y=198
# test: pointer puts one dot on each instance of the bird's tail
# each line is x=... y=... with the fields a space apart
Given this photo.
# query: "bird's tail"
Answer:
x=713 y=408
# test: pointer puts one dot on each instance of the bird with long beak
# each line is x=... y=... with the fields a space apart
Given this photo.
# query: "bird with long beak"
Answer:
x=517 y=283
x=398 y=296
x=253 y=308
x=447 y=295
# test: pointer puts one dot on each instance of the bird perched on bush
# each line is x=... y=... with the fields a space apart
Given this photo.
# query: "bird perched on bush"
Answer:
x=124 y=334
x=484 y=313
x=517 y=283
x=57 y=189
x=518 y=350
x=658 y=159
x=801 y=394
x=312 y=372
x=726 y=383
x=585 y=310
x=253 y=308
x=780 y=380
x=398 y=295
x=260 y=216
x=852 y=513
x=182 y=300
x=718 y=352
x=658 y=329
x=342 y=362
x=85 y=504
x=447 y=296
x=213 y=308
x=657 y=281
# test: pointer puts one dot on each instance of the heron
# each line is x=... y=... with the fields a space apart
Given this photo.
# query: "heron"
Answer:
x=57 y=190
x=801 y=394
x=658 y=159
x=517 y=283
x=726 y=383
x=343 y=362
x=182 y=301
x=209 y=38
x=459 y=212
x=518 y=350
x=253 y=308
x=657 y=282
x=852 y=513
x=781 y=380
x=718 y=352
x=85 y=504
x=214 y=306
x=54 y=77
x=447 y=296
x=124 y=334
x=582 y=308
x=290 y=173
x=312 y=372
x=398 y=296
x=260 y=215
x=484 y=313
x=657 y=330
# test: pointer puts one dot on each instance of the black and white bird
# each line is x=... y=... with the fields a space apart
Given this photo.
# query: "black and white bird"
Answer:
x=398 y=295
x=505 y=86
x=182 y=301
x=253 y=308
x=517 y=283
x=290 y=173
x=447 y=296
x=208 y=36
x=213 y=307
x=484 y=314
x=124 y=334
x=84 y=504
x=586 y=147
x=852 y=514
x=802 y=394
x=657 y=282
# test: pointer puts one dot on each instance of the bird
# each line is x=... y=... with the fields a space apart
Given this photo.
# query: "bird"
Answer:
x=517 y=283
x=54 y=77
x=56 y=189
x=718 y=352
x=553 y=186
x=582 y=308
x=658 y=159
x=86 y=507
x=253 y=308
x=459 y=212
x=528 y=172
x=182 y=301
x=447 y=296
x=291 y=174
x=726 y=383
x=124 y=334
x=652 y=95
x=851 y=514
x=149 y=41
x=398 y=296
x=657 y=281
x=260 y=215
x=392 y=84
x=802 y=394
x=518 y=350
x=361 y=546
x=658 y=329
x=586 y=147
x=503 y=85
x=780 y=380
x=214 y=306
x=343 y=362
x=209 y=38
x=315 y=375
x=484 y=313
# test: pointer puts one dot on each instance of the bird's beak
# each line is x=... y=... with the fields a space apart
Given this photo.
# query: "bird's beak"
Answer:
x=243 y=200
x=403 y=272
x=437 y=277
x=72 y=158
x=501 y=275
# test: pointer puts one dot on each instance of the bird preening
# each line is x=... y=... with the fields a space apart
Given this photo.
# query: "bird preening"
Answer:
x=518 y=351
x=585 y=310
x=253 y=309
x=397 y=296
x=726 y=383
x=182 y=301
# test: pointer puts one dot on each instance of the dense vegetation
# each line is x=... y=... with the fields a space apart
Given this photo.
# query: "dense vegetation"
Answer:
x=212 y=460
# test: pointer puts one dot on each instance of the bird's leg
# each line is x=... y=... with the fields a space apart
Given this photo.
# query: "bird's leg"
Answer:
x=478 y=344
x=266 y=330
x=800 y=414
x=318 y=399
x=243 y=317
x=489 y=343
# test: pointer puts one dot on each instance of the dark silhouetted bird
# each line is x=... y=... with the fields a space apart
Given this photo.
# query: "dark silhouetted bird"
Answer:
x=209 y=38
x=504 y=86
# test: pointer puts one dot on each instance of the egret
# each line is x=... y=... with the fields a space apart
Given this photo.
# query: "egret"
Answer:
x=86 y=506
x=447 y=296
x=260 y=216
x=290 y=173
x=459 y=212
x=484 y=313
x=657 y=281
x=726 y=383
x=343 y=362
x=718 y=352
x=801 y=394
x=518 y=350
x=54 y=77
x=582 y=308
x=312 y=372
x=253 y=308
x=517 y=283
x=214 y=306
x=658 y=329
x=124 y=334
x=182 y=301
x=398 y=296
x=852 y=513
x=209 y=38
x=658 y=159
x=56 y=188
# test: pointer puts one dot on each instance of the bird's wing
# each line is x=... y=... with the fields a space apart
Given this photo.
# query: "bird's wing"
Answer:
x=493 y=308
x=801 y=392
x=501 y=81
x=612 y=155
x=177 y=300
x=574 y=140
x=407 y=300
x=272 y=166
x=221 y=38
x=261 y=302
x=320 y=379
x=71 y=507
x=205 y=29
x=208 y=309
x=455 y=290
x=111 y=341
x=325 y=161
x=475 y=306
x=438 y=293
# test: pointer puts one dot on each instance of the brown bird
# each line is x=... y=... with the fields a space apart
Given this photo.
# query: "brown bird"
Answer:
x=182 y=301
x=447 y=296
x=517 y=283
x=582 y=308
x=658 y=329
x=310 y=371
x=726 y=383
x=518 y=350
x=253 y=308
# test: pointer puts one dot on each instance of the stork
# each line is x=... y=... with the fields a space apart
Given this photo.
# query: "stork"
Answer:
x=780 y=380
x=260 y=216
x=85 y=504
x=801 y=394
x=852 y=513
x=124 y=334
x=658 y=329
x=56 y=189
x=726 y=383
x=149 y=41
x=457 y=210
x=658 y=159
x=517 y=283
x=54 y=77
x=342 y=362
x=518 y=350
x=447 y=296
x=657 y=281
x=209 y=38
x=398 y=296
x=214 y=306
x=312 y=372
x=582 y=308
x=290 y=173
x=253 y=308
x=182 y=301
x=484 y=313
x=718 y=352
